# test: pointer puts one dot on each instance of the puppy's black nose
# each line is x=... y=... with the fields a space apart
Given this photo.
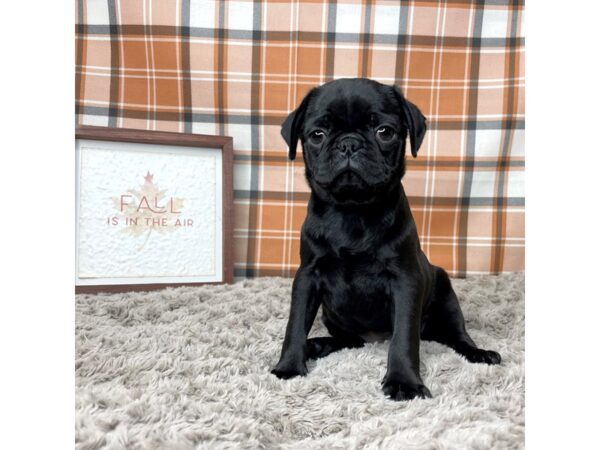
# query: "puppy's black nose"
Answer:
x=348 y=145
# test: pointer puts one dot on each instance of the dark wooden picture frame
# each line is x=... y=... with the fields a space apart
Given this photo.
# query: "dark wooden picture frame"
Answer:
x=224 y=143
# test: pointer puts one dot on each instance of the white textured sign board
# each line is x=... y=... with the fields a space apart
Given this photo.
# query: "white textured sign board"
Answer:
x=148 y=213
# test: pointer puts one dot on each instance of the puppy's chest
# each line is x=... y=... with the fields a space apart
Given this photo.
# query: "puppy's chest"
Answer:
x=354 y=279
x=349 y=247
x=353 y=257
x=357 y=294
x=355 y=273
x=350 y=242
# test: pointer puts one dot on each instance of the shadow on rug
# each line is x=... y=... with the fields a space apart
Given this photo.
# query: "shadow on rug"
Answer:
x=189 y=368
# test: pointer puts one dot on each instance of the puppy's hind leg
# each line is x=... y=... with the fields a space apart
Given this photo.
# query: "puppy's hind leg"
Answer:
x=320 y=347
x=444 y=323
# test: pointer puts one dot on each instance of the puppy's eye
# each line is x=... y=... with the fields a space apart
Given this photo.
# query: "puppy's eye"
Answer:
x=316 y=137
x=385 y=134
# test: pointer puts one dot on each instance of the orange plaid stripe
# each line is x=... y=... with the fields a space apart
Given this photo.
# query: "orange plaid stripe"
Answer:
x=237 y=68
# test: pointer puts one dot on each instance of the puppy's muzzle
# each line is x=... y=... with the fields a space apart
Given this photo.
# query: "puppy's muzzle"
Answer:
x=349 y=144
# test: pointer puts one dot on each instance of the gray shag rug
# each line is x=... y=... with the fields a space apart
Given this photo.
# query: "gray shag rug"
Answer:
x=188 y=368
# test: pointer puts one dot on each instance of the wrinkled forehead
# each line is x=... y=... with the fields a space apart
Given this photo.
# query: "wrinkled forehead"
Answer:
x=350 y=106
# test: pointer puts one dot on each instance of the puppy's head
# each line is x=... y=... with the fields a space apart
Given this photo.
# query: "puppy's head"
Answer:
x=353 y=134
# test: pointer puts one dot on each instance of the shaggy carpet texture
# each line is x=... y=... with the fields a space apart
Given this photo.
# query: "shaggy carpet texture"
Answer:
x=188 y=368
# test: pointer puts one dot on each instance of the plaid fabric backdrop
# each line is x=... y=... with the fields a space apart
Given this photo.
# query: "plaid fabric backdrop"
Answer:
x=237 y=68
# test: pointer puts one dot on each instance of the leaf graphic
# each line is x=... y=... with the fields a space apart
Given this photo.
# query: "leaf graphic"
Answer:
x=146 y=209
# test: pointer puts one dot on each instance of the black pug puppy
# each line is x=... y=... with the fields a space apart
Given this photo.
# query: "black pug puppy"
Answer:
x=361 y=259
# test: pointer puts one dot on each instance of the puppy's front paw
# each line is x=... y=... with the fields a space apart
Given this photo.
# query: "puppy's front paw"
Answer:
x=483 y=356
x=397 y=390
x=286 y=370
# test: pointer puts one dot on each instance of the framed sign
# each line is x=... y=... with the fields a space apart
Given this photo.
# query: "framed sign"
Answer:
x=153 y=209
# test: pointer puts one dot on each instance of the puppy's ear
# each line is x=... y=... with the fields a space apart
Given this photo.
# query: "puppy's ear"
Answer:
x=291 y=126
x=415 y=121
